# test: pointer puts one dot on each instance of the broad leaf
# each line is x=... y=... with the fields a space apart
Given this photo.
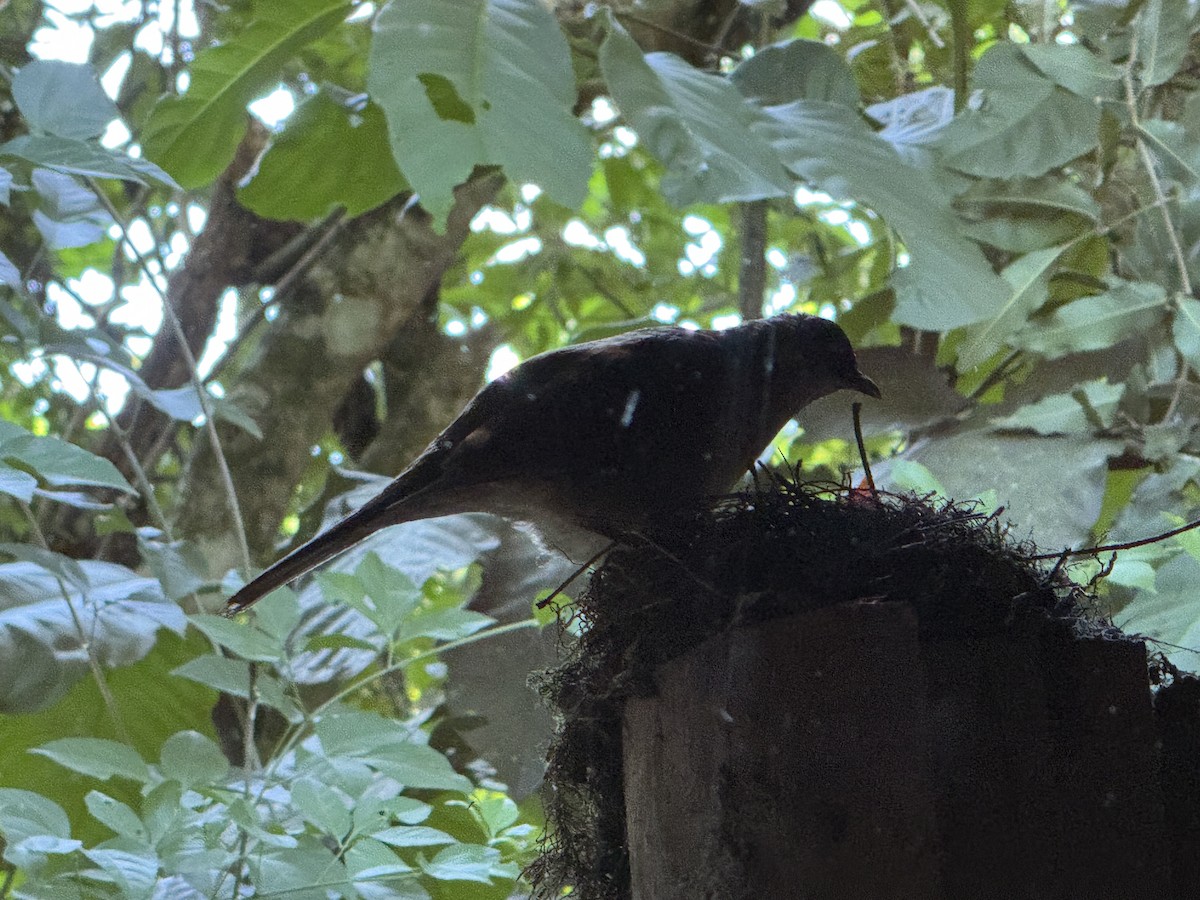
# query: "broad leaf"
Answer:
x=1174 y=148
x=338 y=150
x=1185 y=329
x=476 y=83
x=191 y=758
x=948 y=283
x=32 y=827
x=465 y=862
x=59 y=464
x=696 y=123
x=1162 y=29
x=1075 y=68
x=1081 y=411
x=97 y=757
x=62 y=98
x=224 y=79
x=797 y=70
x=1097 y=322
x=47 y=618
x=73 y=157
x=1024 y=125
x=1027 y=279
x=10 y=274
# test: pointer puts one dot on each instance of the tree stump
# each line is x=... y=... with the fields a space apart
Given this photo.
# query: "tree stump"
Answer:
x=836 y=754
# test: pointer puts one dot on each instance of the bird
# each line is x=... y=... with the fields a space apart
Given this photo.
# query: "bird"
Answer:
x=607 y=435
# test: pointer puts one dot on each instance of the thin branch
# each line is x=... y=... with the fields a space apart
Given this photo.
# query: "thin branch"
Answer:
x=1147 y=160
x=546 y=601
x=1128 y=545
x=663 y=29
x=189 y=358
x=919 y=15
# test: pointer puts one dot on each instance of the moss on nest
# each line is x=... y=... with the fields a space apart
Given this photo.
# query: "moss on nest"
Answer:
x=778 y=548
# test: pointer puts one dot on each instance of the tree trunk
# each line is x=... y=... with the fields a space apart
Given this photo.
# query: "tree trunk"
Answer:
x=845 y=753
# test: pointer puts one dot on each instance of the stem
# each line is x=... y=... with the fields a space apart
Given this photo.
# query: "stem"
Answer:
x=1147 y=160
x=960 y=30
x=210 y=424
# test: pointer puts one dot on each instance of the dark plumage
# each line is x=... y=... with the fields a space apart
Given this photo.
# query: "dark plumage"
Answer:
x=606 y=435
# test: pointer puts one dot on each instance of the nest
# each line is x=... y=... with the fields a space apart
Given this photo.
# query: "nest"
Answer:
x=779 y=548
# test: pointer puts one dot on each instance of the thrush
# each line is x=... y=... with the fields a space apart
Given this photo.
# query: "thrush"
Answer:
x=608 y=435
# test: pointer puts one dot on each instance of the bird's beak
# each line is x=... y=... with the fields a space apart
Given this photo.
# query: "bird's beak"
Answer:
x=860 y=382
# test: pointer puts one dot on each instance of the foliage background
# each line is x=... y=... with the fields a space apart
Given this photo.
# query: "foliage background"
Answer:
x=216 y=323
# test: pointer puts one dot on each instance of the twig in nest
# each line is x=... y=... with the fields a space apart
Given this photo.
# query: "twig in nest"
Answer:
x=862 y=449
x=546 y=601
x=1128 y=545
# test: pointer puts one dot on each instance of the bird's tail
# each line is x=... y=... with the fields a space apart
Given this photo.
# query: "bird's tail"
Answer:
x=345 y=534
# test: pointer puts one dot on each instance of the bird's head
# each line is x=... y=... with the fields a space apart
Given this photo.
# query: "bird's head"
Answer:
x=813 y=355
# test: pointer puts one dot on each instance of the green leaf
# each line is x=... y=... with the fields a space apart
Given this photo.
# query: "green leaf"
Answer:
x=413 y=836
x=1052 y=486
x=1089 y=406
x=33 y=826
x=62 y=98
x=1175 y=150
x=390 y=596
x=797 y=70
x=1162 y=29
x=307 y=872
x=246 y=640
x=368 y=860
x=78 y=158
x=1050 y=196
x=948 y=282
x=1075 y=68
x=1026 y=214
x=1028 y=278
x=16 y=483
x=418 y=767
x=60 y=464
x=135 y=873
x=192 y=759
x=907 y=475
x=232 y=676
x=47 y=613
x=444 y=625
x=455 y=96
x=323 y=807
x=1185 y=329
x=97 y=757
x=389 y=747
x=227 y=77
x=218 y=672
x=464 y=862
x=696 y=123
x=1170 y=613
x=338 y=150
x=116 y=815
x=1097 y=322
x=179 y=566
x=1132 y=573
x=1025 y=124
